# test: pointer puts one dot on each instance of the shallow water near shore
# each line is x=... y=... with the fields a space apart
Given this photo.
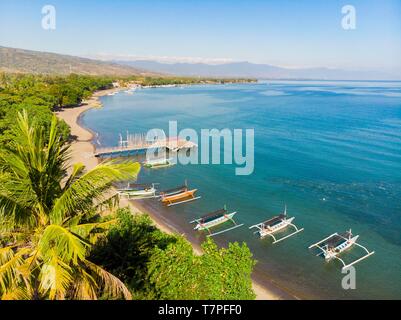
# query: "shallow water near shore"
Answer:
x=330 y=151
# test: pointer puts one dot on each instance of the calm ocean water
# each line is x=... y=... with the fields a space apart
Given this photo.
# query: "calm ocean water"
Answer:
x=330 y=151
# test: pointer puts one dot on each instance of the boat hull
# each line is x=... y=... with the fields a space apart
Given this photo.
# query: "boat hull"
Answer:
x=221 y=220
x=280 y=226
x=179 y=196
x=158 y=164
x=138 y=193
x=329 y=255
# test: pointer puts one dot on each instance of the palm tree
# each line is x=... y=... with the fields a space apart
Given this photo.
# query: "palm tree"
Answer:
x=49 y=220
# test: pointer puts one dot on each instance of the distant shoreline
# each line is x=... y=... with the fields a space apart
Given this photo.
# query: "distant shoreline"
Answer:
x=82 y=150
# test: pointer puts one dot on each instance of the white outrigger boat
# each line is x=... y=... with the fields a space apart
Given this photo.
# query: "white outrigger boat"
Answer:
x=158 y=163
x=214 y=219
x=275 y=224
x=138 y=191
x=336 y=243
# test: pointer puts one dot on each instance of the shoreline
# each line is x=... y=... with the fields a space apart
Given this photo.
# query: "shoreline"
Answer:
x=82 y=150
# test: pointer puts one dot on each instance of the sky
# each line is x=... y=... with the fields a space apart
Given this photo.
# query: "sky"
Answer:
x=287 y=33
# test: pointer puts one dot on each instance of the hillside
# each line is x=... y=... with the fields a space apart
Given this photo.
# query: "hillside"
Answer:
x=27 y=61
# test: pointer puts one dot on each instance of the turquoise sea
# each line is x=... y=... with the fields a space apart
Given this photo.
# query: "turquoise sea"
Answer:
x=330 y=151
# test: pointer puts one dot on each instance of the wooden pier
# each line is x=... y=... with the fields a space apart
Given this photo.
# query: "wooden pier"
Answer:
x=137 y=144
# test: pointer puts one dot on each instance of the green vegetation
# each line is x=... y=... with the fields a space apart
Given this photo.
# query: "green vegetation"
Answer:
x=60 y=237
x=127 y=249
x=49 y=221
x=162 y=81
x=225 y=274
x=39 y=95
x=71 y=90
x=155 y=265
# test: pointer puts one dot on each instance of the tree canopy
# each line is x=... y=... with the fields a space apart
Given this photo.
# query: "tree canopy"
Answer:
x=49 y=221
x=39 y=95
x=155 y=265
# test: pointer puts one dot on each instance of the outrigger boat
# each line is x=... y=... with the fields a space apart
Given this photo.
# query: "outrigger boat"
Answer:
x=336 y=243
x=138 y=191
x=275 y=224
x=214 y=219
x=178 y=195
x=158 y=163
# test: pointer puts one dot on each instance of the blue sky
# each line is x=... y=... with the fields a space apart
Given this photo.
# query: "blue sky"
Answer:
x=291 y=33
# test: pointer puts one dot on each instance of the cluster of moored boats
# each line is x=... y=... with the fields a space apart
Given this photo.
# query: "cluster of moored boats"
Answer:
x=330 y=247
x=129 y=91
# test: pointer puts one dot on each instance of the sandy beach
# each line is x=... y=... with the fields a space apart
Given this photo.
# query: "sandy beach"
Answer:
x=82 y=150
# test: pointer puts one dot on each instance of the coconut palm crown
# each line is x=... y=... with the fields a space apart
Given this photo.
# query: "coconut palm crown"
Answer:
x=48 y=220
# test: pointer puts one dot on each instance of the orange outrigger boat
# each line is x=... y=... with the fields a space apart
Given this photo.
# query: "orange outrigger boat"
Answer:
x=178 y=195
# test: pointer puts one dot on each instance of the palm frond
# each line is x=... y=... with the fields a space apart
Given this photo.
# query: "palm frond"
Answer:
x=112 y=286
x=85 y=286
x=55 y=278
x=9 y=267
x=77 y=171
x=14 y=215
x=84 y=230
x=34 y=166
x=108 y=205
x=91 y=187
x=19 y=292
x=59 y=241
x=6 y=253
x=29 y=264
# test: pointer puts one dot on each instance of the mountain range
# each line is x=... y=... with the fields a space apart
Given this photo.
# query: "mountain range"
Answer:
x=259 y=71
x=28 y=61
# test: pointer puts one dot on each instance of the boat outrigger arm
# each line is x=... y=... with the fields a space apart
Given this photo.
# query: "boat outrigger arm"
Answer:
x=275 y=224
x=336 y=243
x=214 y=219
x=183 y=201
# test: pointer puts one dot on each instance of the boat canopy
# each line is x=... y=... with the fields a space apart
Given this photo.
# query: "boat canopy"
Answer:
x=213 y=215
x=337 y=239
x=177 y=189
x=139 y=186
x=274 y=220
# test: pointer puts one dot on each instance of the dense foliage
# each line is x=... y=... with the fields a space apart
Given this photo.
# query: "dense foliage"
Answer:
x=177 y=273
x=127 y=249
x=49 y=221
x=39 y=95
x=160 y=81
x=155 y=265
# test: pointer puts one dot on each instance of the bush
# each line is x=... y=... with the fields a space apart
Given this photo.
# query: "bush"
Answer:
x=155 y=265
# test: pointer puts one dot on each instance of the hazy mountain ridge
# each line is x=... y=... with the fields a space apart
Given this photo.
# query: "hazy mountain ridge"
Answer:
x=27 y=61
x=260 y=71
